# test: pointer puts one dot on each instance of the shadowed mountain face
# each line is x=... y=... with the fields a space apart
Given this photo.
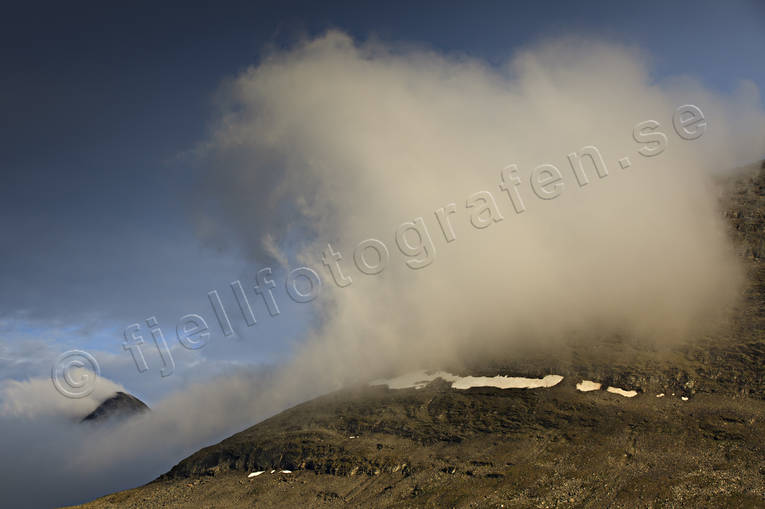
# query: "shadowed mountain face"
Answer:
x=119 y=406
x=691 y=437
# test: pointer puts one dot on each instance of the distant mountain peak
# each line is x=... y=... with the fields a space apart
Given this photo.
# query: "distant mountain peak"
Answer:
x=120 y=405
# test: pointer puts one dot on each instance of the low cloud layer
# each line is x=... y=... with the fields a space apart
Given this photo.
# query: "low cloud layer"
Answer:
x=336 y=142
x=37 y=397
x=51 y=459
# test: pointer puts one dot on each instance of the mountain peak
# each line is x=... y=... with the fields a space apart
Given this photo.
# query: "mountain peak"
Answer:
x=120 y=405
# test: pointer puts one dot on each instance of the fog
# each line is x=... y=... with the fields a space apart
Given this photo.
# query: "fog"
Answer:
x=337 y=142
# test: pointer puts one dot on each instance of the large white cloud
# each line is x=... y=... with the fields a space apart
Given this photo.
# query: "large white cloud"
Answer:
x=338 y=142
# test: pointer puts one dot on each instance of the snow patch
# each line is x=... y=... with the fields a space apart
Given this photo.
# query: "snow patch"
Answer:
x=506 y=382
x=286 y=471
x=255 y=474
x=588 y=385
x=660 y=395
x=420 y=379
x=416 y=379
x=622 y=392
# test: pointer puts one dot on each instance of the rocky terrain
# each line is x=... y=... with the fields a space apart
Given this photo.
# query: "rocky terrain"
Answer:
x=700 y=444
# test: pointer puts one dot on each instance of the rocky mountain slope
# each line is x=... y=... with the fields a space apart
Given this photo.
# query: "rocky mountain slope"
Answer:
x=699 y=444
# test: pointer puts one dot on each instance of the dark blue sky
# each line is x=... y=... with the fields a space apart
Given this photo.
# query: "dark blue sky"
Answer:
x=100 y=103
